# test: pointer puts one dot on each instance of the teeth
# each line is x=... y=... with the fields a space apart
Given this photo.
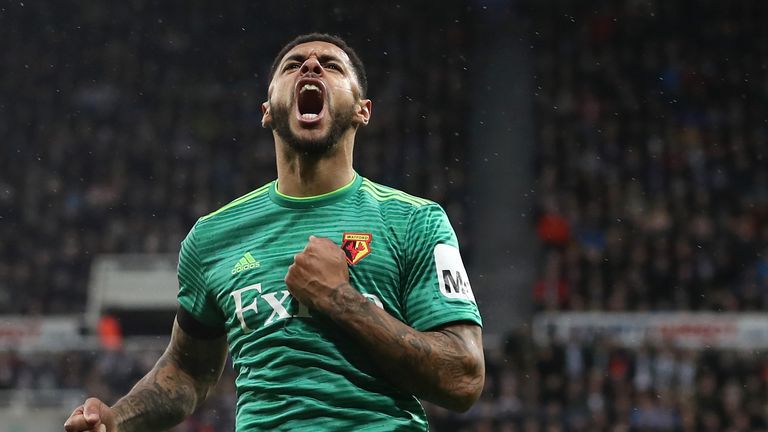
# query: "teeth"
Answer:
x=309 y=87
x=309 y=116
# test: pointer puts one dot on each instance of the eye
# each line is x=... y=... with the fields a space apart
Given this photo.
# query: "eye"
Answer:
x=291 y=65
x=333 y=66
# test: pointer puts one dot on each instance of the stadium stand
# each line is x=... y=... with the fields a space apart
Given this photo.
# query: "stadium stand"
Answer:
x=651 y=128
x=122 y=125
x=652 y=196
x=652 y=188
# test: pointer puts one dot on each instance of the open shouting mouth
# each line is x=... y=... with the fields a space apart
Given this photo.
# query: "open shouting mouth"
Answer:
x=310 y=101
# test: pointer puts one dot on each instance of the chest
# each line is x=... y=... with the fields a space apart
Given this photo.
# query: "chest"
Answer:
x=248 y=271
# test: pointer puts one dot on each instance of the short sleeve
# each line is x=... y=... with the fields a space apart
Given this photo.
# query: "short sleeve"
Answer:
x=193 y=294
x=437 y=289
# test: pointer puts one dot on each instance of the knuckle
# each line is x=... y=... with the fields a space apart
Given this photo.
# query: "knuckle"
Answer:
x=72 y=424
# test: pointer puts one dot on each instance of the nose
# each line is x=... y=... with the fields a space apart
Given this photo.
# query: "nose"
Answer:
x=311 y=65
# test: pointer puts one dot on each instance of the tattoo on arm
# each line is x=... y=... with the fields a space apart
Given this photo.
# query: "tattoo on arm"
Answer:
x=178 y=383
x=161 y=399
x=444 y=366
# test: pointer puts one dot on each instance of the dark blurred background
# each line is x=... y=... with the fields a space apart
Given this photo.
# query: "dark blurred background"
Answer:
x=603 y=163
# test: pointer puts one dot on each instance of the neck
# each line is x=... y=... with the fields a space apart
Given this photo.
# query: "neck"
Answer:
x=300 y=175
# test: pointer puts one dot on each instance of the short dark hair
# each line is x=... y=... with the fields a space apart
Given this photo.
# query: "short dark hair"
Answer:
x=357 y=64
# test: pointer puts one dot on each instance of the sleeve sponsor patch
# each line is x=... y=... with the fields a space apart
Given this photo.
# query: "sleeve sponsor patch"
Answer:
x=451 y=275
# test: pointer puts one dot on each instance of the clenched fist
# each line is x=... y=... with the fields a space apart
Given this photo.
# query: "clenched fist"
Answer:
x=316 y=273
x=93 y=416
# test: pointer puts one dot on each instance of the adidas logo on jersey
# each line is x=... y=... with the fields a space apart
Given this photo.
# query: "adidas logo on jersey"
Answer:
x=247 y=262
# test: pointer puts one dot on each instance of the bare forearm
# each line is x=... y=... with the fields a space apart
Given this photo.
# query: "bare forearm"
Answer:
x=180 y=381
x=160 y=400
x=444 y=366
x=441 y=366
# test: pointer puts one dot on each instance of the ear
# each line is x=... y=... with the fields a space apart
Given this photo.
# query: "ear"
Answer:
x=363 y=113
x=266 y=118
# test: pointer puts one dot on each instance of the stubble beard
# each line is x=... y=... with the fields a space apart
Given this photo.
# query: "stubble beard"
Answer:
x=314 y=148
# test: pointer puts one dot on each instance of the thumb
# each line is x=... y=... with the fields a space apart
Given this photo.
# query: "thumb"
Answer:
x=92 y=410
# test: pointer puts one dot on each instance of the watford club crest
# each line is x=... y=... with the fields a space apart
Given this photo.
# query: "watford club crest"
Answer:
x=356 y=246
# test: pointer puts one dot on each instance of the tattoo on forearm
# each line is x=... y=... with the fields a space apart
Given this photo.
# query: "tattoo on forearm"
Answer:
x=171 y=391
x=160 y=400
x=444 y=366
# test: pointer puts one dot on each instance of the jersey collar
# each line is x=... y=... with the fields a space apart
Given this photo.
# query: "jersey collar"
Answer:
x=315 y=201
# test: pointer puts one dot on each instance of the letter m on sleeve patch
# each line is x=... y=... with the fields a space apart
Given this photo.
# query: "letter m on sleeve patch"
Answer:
x=451 y=275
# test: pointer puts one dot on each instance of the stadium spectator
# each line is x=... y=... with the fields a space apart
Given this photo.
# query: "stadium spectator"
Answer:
x=652 y=146
x=122 y=125
x=652 y=188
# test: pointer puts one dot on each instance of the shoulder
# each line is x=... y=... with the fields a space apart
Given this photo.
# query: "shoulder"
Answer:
x=388 y=196
x=410 y=215
x=235 y=210
x=407 y=210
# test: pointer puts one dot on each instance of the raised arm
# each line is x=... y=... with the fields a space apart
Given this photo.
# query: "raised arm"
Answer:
x=444 y=366
x=179 y=382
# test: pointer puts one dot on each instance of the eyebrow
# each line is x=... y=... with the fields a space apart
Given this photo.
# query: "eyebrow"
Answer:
x=323 y=58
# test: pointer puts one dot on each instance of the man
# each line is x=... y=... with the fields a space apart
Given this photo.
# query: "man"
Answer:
x=341 y=301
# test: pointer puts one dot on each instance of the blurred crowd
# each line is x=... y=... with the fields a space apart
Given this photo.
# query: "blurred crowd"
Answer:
x=652 y=180
x=653 y=154
x=122 y=123
x=529 y=388
x=603 y=386
x=42 y=379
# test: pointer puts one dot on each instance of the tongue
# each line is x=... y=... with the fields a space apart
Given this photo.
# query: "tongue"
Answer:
x=310 y=102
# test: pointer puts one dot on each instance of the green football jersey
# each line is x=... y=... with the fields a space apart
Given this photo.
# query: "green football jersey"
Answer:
x=296 y=369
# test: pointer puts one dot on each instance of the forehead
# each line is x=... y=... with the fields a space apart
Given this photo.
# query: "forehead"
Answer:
x=318 y=48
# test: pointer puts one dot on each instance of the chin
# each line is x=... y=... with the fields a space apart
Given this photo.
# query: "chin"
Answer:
x=313 y=143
